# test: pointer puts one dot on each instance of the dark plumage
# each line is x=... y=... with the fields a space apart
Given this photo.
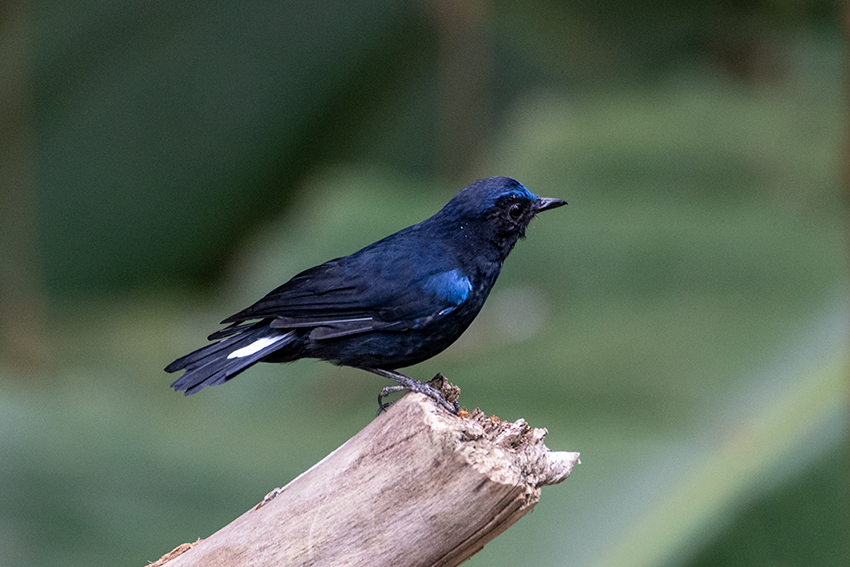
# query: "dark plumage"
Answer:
x=392 y=304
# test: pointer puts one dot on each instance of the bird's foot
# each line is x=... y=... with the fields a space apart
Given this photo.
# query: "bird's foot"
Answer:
x=382 y=407
x=437 y=389
x=448 y=391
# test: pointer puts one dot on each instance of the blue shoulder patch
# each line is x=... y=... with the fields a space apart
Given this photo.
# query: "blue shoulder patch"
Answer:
x=452 y=286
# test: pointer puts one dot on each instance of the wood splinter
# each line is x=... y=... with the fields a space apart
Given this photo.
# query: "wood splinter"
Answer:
x=416 y=487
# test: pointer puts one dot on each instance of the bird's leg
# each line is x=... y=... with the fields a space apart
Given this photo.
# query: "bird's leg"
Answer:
x=407 y=383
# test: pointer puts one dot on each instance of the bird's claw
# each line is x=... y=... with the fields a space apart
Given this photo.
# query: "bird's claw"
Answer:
x=417 y=386
x=382 y=407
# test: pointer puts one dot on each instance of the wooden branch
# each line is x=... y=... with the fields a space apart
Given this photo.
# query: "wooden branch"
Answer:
x=416 y=487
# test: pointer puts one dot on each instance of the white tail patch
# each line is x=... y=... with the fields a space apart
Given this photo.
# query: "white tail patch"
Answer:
x=256 y=346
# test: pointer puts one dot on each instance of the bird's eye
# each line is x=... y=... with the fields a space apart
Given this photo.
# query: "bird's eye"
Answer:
x=515 y=211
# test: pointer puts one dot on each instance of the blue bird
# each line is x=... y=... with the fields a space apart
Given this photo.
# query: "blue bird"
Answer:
x=392 y=304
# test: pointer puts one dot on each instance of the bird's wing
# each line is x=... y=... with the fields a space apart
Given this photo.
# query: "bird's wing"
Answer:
x=357 y=294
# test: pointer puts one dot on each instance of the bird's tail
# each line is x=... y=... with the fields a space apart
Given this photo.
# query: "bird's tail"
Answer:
x=219 y=362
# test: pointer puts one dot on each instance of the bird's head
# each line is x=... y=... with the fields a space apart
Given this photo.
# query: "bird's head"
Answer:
x=498 y=209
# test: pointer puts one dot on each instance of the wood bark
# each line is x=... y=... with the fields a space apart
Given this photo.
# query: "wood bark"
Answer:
x=416 y=487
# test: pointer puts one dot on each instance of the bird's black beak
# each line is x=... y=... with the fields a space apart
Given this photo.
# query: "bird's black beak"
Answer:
x=546 y=203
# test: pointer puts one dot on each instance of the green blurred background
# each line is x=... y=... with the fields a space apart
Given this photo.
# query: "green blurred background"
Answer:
x=683 y=323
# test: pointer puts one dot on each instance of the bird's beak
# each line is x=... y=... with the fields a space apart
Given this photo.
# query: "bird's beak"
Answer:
x=546 y=203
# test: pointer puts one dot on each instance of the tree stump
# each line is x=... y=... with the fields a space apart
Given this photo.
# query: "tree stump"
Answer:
x=416 y=487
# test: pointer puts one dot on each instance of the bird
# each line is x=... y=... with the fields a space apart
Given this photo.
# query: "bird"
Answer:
x=390 y=305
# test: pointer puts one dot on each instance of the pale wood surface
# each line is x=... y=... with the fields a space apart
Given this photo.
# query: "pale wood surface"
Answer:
x=416 y=487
